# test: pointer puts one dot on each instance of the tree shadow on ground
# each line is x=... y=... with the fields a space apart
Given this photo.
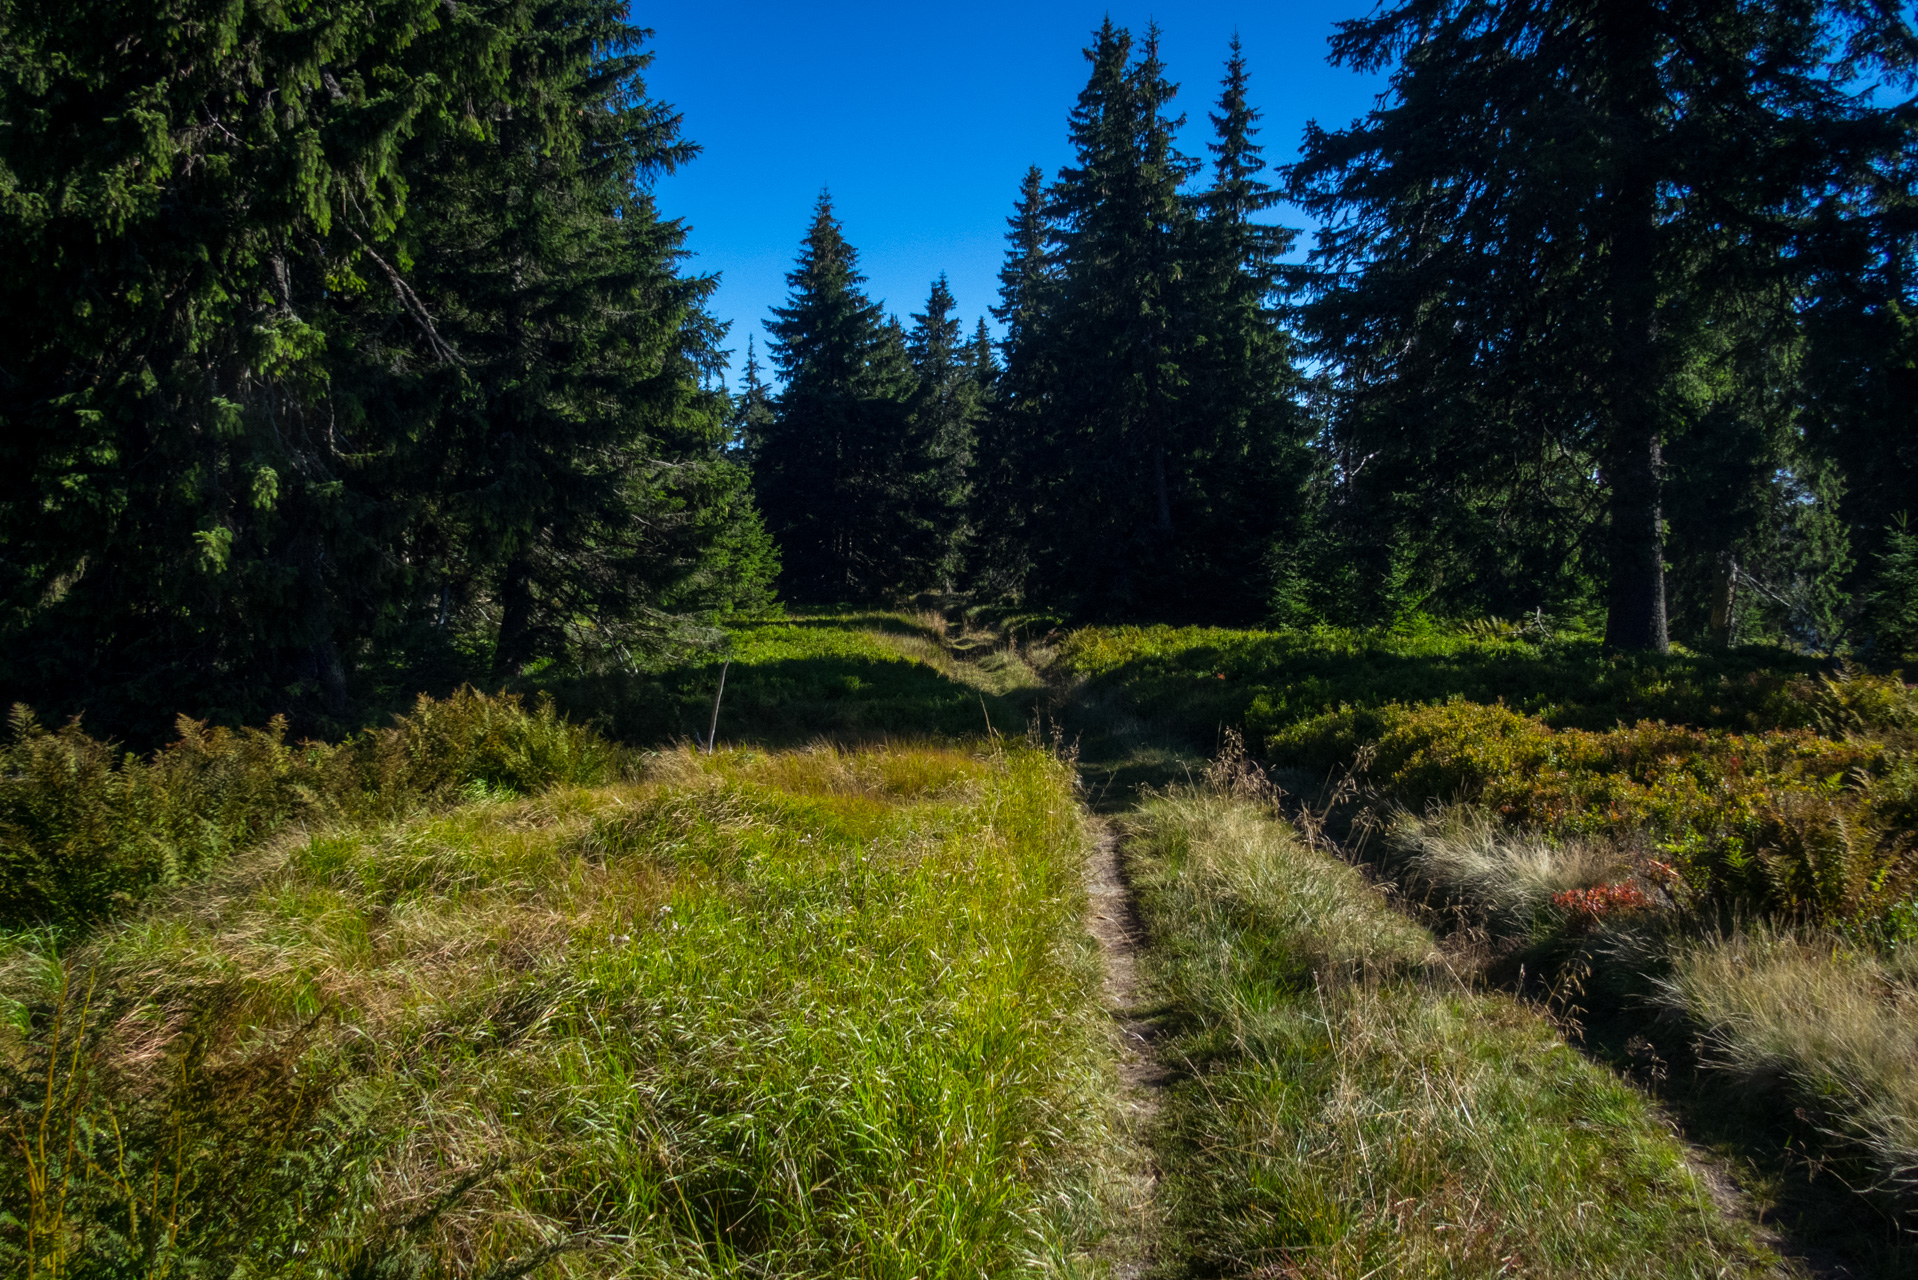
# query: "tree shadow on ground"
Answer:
x=890 y=623
x=1807 y=1192
x=793 y=701
x=1271 y=682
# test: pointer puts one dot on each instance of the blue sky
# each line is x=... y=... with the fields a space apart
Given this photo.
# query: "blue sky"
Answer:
x=921 y=119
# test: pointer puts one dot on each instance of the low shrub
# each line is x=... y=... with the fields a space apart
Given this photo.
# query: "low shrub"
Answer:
x=1785 y=820
x=87 y=831
x=1194 y=678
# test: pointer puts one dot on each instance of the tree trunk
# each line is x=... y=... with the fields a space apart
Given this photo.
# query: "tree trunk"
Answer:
x=1635 y=617
x=515 y=646
x=1724 y=597
x=1633 y=381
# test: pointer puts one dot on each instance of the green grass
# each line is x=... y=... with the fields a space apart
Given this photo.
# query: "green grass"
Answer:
x=814 y=1013
x=844 y=677
x=87 y=832
x=1346 y=1106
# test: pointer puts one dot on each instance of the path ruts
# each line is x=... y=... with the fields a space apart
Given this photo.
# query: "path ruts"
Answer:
x=1113 y=920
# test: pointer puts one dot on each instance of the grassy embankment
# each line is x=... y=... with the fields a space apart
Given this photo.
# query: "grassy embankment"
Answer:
x=1710 y=859
x=1347 y=1106
x=818 y=1012
x=824 y=1012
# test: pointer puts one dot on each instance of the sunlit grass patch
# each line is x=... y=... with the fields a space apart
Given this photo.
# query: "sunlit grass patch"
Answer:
x=815 y=1013
x=1346 y=1106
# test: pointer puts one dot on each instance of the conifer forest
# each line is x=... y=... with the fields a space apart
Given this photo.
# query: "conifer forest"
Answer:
x=1379 y=748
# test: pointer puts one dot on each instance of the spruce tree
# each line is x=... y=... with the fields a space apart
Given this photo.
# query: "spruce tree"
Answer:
x=177 y=503
x=1106 y=528
x=1246 y=463
x=1011 y=488
x=752 y=407
x=833 y=470
x=1524 y=326
x=942 y=420
x=399 y=348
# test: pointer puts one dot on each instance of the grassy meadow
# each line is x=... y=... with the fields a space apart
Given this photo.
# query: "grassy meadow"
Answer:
x=822 y=1012
x=1344 y=1103
x=529 y=985
x=845 y=676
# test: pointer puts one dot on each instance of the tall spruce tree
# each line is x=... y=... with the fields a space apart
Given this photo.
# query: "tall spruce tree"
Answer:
x=1144 y=452
x=1010 y=493
x=841 y=475
x=590 y=475
x=371 y=307
x=1242 y=439
x=1539 y=249
x=1105 y=527
x=942 y=422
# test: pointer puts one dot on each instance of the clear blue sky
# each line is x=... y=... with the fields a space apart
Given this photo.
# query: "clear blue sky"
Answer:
x=921 y=119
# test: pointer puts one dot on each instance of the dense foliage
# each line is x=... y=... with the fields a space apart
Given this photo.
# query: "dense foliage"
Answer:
x=1762 y=788
x=1606 y=319
x=860 y=460
x=343 y=340
x=1147 y=454
x=1562 y=290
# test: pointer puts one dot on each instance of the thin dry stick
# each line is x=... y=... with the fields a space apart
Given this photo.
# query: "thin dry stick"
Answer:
x=712 y=730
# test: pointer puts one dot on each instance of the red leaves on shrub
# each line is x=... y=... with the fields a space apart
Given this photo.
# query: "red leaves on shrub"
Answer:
x=1589 y=906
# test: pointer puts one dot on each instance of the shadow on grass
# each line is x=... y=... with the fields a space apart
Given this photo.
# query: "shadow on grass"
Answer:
x=1270 y=681
x=1122 y=756
x=1808 y=1198
x=890 y=623
x=792 y=701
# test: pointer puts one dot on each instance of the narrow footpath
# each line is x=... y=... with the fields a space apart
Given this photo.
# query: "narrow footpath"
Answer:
x=1112 y=918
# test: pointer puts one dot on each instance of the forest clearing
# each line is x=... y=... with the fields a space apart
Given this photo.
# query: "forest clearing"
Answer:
x=830 y=998
x=1331 y=705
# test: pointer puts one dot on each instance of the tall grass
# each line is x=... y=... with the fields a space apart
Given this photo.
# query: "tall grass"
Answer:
x=1512 y=880
x=812 y=1013
x=86 y=831
x=1349 y=1107
x=1806 y=1033
x=1821 y=1025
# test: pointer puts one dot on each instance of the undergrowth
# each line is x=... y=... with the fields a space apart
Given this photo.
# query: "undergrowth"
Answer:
x=1797 y=1034
x=1788 y=821
x=87 y=831
x=1263 y=682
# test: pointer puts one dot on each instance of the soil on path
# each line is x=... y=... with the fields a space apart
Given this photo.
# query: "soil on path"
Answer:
x=1112 y=918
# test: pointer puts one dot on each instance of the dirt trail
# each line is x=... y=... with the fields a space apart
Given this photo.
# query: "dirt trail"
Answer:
x=1112 y=918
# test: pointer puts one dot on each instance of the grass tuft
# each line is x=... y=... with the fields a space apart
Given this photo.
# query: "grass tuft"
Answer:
x=1822 y=1024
